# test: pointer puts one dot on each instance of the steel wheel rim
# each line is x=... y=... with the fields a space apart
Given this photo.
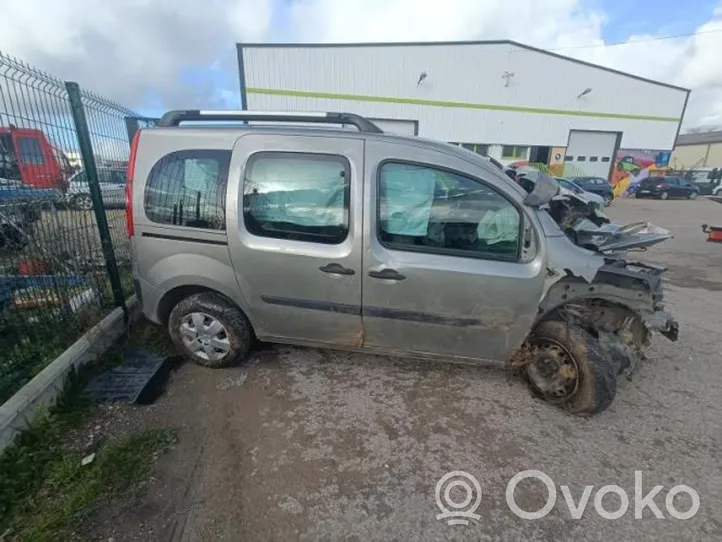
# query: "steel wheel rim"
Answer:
x=84 y=203
x=554 y=374
x=204 y=336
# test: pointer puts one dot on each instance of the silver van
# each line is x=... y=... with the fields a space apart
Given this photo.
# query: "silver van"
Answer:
x=271 y=226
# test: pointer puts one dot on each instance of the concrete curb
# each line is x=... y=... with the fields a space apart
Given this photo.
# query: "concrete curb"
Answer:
x=20 y=410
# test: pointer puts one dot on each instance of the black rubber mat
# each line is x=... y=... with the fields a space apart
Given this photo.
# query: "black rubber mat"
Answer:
x=139 y=379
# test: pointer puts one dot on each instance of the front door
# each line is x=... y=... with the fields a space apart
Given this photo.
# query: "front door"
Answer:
x=294 y=231
x=443 y=271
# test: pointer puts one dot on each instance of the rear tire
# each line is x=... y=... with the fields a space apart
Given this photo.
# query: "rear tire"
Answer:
x=209 y=330
x=595 y=380
x=82 y=202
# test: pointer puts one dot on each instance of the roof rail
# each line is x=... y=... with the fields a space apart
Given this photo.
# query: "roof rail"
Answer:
x=174 y=118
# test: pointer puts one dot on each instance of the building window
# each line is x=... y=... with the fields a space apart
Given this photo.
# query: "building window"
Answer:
x=605 y=158
x=188 y=188
x=593 y=158
x=569 y=158
x=424 y=209
x=301 y=197
x=478 y=148
x=581 y=158
x=514 y=152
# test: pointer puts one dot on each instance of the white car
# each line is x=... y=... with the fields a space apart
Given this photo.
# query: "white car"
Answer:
x=112 y=188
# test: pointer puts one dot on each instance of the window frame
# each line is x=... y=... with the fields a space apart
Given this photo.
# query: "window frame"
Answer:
x=441 y=251
x=222 y=156
x=516 y=155
x=40 y=155
x=348 y=204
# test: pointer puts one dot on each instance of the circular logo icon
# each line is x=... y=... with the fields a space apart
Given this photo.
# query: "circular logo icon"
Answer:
x=459 y=511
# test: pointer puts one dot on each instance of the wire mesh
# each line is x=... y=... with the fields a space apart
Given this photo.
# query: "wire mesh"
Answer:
x=53 y=279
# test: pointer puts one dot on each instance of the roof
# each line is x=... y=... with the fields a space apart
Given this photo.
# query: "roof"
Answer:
x=702 y=138
x=456 y=43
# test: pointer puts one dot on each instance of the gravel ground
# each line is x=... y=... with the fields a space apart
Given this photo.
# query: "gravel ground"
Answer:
x=319 y=445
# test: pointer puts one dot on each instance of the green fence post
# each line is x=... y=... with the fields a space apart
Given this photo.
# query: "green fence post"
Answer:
x=86 y=151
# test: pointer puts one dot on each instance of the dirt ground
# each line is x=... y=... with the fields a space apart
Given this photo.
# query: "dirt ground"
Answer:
x=320 y=445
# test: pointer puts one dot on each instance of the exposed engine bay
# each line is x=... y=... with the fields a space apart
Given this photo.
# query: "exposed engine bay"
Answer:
x=608 y=304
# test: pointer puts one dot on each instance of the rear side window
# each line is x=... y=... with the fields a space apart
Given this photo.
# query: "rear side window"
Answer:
x=302 y=197
x=188 y=188
x=30 y=152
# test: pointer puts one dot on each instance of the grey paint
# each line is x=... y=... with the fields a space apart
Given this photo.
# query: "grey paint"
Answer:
x=448 y=307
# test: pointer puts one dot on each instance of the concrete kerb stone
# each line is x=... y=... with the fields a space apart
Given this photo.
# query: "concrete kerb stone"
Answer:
x=42 y=391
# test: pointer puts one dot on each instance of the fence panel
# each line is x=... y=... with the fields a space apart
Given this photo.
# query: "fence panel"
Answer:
x=54 y=281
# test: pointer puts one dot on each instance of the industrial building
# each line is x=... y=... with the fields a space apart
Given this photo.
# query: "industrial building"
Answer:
x=698 y=151
x=500 y=98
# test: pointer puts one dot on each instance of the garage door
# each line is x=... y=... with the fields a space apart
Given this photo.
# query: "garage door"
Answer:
x=590 y=153
x=396 y=126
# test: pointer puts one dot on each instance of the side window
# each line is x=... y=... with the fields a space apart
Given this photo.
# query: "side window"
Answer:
x=30 y=152
x=296 y=196
x=188 y=188
x=672 y=181
x=425 y=209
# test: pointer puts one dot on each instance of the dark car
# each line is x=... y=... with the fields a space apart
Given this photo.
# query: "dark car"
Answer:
x=596 y=185
x=666 y=187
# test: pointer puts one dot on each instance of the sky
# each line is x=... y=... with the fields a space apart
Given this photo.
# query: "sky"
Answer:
x=154 y=55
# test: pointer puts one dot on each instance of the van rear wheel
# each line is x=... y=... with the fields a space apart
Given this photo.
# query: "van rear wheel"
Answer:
x=210 y=331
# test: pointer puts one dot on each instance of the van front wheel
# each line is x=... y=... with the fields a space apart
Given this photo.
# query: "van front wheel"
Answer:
x=210 y=331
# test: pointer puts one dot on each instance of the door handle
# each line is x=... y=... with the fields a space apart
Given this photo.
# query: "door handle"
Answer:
x=387 y=274
x=336 y=269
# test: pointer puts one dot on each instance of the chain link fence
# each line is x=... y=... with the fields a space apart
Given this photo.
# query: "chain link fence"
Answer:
x=64 y=253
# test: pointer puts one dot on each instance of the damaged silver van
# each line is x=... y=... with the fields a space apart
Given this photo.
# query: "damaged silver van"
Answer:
x=271 y=226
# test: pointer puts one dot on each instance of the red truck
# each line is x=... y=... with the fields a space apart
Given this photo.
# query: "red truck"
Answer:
x=26 y=155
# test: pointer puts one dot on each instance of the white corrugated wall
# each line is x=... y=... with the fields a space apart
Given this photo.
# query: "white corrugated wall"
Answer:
x=465 y=83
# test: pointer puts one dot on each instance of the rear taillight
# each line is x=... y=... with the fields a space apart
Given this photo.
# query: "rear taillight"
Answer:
x=129 y=185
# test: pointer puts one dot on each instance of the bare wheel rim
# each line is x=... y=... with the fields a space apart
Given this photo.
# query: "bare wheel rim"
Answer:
x=84 y=203
x=554 y=373
x=205 y=336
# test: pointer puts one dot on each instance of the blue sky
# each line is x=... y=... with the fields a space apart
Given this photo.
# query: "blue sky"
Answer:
x=658 y=17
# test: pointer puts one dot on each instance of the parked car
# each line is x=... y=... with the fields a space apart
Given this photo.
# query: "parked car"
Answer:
x=574 y=188
x=20 y=207
x=666 y=187
x=26 y=155
x=596 y=185
x=112 y=183
x=380 y=243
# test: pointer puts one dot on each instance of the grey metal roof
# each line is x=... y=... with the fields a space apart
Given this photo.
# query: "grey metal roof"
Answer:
x=701 y=138
x=241 y=46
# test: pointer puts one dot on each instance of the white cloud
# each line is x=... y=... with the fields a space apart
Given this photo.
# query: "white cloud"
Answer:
x=561 y=25
x=134 y=51
x=152 y=52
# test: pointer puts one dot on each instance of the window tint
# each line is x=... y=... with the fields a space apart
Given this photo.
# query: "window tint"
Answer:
x=111 y=176
x=188 y=188
x=303 y=197
x=510 y=151
x=30 y=152
x=429 y=210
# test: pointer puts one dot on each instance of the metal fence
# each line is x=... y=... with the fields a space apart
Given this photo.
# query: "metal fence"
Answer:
x=64 y=253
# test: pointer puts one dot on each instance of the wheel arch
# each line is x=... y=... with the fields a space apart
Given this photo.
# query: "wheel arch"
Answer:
x=177 y=294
